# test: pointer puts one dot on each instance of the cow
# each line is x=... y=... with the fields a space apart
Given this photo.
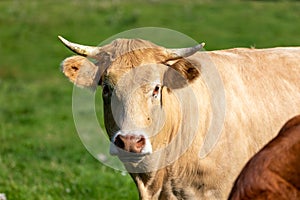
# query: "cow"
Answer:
x=273 y=172
x=161 y=103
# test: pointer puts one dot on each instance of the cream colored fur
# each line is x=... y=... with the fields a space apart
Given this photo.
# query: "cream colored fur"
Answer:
x=262 y=91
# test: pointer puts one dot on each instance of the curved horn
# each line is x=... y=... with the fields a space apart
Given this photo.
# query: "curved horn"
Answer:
x=185 y=52
x=80 y=49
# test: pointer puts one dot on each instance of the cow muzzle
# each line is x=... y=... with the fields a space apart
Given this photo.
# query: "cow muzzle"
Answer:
x=130 y=144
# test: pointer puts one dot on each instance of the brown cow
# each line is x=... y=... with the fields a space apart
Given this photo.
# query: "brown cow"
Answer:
x=274 y=172
x=164 y=108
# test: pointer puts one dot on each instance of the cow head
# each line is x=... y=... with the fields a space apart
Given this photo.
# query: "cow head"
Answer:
x=138 y=80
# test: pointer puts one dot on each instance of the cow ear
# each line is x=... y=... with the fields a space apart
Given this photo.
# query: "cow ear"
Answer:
x=81 y=71
x=180 y=73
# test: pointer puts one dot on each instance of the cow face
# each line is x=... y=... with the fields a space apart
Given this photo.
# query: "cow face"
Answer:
x=133 y=107
x=137 y=79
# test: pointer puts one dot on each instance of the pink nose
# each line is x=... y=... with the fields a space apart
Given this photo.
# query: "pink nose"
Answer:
x=130 y=143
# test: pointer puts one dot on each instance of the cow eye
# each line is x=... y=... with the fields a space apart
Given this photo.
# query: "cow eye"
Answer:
x=105 y=90
x=156 y=91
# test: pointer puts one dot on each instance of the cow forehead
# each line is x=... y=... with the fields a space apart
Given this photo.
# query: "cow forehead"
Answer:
x=140 y=77
x=132 y=73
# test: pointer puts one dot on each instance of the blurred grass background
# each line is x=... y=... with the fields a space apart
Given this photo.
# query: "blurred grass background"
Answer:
x=41 y=156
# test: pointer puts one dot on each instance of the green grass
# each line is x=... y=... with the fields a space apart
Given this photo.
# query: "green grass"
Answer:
x=41 y=155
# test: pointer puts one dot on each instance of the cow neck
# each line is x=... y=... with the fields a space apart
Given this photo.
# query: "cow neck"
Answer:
x=149 y=184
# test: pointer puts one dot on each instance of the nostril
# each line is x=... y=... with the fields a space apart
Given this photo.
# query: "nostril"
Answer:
x=119 y=142
x=141 y=142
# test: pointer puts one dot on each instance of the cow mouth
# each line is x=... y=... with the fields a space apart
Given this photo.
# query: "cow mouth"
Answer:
x=126 y=156
x=129 y=157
